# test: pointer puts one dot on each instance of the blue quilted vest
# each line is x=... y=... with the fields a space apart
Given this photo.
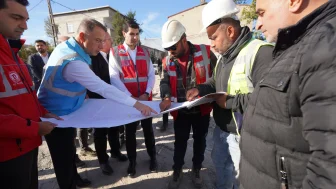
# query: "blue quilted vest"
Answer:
x=56 y=94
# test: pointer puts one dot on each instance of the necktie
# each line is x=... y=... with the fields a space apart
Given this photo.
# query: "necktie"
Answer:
x=108 y=57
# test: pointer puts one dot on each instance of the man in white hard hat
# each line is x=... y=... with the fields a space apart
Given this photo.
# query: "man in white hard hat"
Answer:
x=186 y=66
x=289 y=138
x=240 y=66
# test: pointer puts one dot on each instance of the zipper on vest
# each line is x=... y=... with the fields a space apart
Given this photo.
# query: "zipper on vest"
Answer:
x=24 y=80
x=283 y=173
x=18 y=142
x=136 y=74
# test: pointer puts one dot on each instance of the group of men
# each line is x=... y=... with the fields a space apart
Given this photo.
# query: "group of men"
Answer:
x=275 y=124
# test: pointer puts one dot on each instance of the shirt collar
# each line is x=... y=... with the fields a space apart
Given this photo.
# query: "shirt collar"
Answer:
x=128 y=48
x=42 y=55
x=103 y=54
x=72 y=44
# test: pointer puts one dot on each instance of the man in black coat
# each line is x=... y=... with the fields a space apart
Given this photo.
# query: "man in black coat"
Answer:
x=289 y=132
x=100 y=68
x=37 y=61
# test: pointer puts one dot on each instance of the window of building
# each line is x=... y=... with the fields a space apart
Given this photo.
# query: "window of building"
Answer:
x=70 y=28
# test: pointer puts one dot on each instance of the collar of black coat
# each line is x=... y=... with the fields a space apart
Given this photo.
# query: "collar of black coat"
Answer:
x=292 y=34
x=242 y=40
x=15 y=44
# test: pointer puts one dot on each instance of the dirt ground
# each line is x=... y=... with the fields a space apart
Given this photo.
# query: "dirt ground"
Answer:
x=143 y=178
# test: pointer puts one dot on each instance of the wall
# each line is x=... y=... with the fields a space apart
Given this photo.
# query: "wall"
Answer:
x=192 y=21
x=104 y=16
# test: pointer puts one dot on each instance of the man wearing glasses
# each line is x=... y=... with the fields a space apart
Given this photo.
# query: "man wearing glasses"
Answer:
x=186 y=66
x=63 y=90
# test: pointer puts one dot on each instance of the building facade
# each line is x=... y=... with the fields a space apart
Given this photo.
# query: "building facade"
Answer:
x=68 y=22
x=192 y=21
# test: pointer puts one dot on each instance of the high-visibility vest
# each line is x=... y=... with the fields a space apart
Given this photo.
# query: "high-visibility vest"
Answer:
x=134 y=76
x=202 y=70
x=240 y=81
x=55 y=93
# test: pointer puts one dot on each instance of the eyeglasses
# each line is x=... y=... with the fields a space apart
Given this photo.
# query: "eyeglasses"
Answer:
x=173 y=47
x=99 y=41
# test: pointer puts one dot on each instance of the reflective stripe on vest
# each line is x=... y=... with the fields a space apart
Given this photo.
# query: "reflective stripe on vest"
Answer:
x=9 y=92
x=240 y=81
x=206 y=61
x=134 y=80
x=48 y=84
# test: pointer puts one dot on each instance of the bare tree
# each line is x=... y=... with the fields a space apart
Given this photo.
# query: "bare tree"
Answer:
x=48 y=28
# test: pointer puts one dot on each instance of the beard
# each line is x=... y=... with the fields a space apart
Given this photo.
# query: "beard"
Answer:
x=42 y=51
x=272 y=38
x=178 y=54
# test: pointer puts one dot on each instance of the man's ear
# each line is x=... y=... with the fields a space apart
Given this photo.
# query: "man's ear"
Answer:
x=124 y=34
x=82 y=37
x=230 y=31
x=295 y=5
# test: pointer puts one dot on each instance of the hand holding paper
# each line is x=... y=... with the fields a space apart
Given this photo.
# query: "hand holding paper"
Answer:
x=165 y=104
x=192 y=94
x=220 y=99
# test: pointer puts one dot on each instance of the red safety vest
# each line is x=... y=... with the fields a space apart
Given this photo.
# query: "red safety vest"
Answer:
x=134 y=76
x=202 y=70
x=20 y=110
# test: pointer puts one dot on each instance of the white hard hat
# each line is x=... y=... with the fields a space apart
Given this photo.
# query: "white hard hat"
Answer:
x=171 y=33
x=217 y=9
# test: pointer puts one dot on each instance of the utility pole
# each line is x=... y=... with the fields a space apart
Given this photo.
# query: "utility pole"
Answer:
x=53 y=26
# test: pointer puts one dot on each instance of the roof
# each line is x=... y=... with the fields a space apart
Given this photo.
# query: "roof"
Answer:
x=154 y=43
x=86 y=10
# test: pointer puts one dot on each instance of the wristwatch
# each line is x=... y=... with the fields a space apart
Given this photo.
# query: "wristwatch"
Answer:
x=146 y=93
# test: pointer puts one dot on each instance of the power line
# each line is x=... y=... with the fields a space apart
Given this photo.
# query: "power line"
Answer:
x=53 y=26
x=35 y=6
x=70 y=8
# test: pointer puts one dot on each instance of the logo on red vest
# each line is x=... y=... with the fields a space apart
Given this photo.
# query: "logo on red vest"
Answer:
x=122 y=51
x=15 y=78
x=141 y=53
x=125 y=63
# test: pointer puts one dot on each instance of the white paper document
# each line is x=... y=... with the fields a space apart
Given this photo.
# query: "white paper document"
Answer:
x=100 y=113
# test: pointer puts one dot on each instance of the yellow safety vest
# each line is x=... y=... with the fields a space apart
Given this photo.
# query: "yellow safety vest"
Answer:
x=240 y=81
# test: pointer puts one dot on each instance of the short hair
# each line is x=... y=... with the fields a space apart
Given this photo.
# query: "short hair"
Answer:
x=40 y=41
x=88 y=24
x=3 y=3
x=232 y=22
x=183 y=36
x=130 y=23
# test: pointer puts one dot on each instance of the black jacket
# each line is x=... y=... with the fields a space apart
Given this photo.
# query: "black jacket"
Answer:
x=36 y=64
x=100 y=67
x=223 y=117
x=290 y=123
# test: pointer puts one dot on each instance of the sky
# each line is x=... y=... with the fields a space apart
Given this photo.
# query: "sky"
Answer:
x=151 y=14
